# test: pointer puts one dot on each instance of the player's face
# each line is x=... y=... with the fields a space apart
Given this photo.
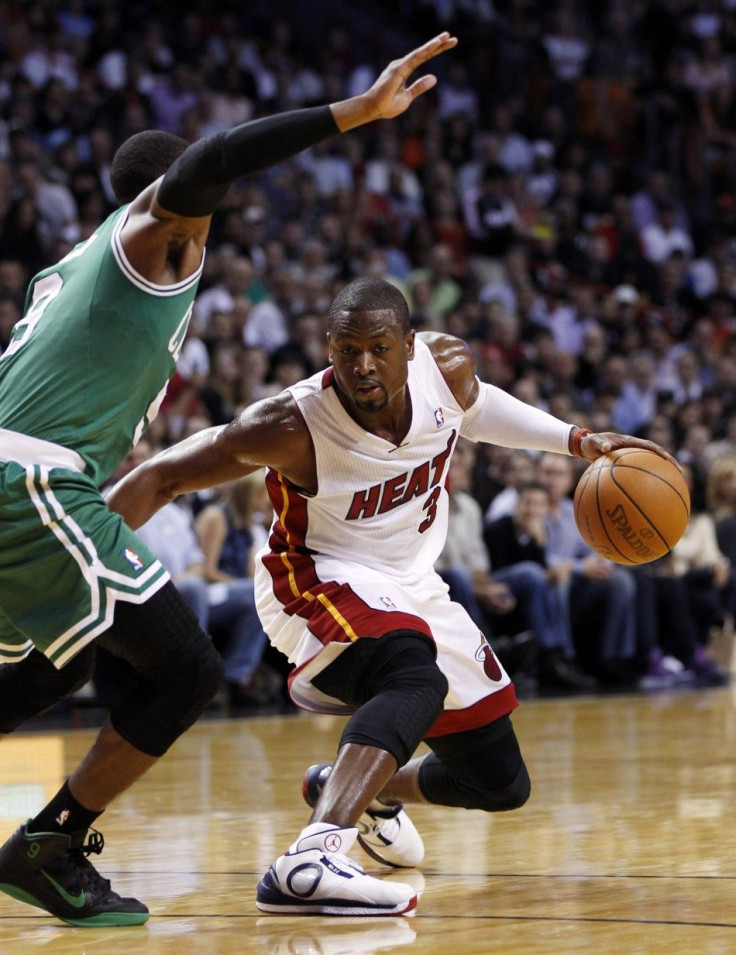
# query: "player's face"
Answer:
x=370 y=355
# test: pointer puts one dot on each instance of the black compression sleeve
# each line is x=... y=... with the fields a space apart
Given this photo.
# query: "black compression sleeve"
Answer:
x=197 y=181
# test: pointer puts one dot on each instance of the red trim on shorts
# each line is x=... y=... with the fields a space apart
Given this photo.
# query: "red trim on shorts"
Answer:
x=292 y=580
x=334 y=612
x=482 y=713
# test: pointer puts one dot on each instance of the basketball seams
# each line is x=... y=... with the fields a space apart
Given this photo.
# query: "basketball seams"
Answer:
x=625 y=498
x=629 y=498
x=603 y=524
x=651 y=474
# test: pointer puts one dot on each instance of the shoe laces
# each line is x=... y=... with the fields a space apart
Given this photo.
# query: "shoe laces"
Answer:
x=89 y=877
x=94 y=845
x=384 y=821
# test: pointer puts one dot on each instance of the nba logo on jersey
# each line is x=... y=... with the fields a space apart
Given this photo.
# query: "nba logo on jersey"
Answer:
x=388 y=603
x=133 y=559
x=439 y=417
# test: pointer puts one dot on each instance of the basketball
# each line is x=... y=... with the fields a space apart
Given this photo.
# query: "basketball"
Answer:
x=631 y=506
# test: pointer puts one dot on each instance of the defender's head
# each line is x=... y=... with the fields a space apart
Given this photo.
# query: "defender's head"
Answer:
x=141 y=160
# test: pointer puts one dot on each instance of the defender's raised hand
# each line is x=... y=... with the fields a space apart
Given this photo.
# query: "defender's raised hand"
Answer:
x=390 y=96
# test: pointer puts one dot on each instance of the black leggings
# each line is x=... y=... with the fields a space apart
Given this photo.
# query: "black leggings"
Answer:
x=478 y=769
x=396 y=685
x=178 y=671
x=399 y=690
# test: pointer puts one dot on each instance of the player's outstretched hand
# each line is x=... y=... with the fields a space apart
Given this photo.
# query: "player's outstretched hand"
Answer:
x=592 y=446
x=389 y=96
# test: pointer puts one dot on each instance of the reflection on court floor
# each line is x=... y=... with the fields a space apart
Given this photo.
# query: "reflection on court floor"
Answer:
x=627 y=844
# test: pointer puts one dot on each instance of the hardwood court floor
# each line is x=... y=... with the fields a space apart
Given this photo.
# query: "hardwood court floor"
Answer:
x=627 y=845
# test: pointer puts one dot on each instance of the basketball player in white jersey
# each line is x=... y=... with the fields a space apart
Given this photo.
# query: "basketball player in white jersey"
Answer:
x=358 y=457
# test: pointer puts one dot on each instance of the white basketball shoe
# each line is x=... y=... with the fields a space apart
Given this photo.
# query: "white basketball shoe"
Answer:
x=315 y=877
x=386 y=833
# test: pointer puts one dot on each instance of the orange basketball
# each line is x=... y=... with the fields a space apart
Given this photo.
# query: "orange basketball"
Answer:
x=632 y=506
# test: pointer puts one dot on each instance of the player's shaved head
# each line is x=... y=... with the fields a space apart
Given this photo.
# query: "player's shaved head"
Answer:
x=370 y=295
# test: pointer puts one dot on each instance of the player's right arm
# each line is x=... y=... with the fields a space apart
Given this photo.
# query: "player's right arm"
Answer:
x=270 y=433
x=168 y=223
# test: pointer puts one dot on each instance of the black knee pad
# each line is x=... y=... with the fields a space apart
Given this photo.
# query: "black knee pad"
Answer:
x=178 y=667
x=478 y=769
x=406 y=692
x=152 y=715
x=505 y=798
x=34 y=685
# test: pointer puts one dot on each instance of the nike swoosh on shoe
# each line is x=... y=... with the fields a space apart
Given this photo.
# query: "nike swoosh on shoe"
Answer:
x=77 y=901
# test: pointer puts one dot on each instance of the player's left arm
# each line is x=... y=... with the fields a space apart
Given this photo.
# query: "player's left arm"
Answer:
x=496 y=417
x=492 y=415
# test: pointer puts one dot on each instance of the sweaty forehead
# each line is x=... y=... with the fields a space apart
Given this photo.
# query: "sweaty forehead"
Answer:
x=375 y=323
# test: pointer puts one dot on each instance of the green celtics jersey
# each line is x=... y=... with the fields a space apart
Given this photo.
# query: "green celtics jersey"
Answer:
x=88 y=364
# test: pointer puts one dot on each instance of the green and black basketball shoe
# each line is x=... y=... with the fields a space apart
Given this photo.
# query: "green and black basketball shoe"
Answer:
x=51 y=871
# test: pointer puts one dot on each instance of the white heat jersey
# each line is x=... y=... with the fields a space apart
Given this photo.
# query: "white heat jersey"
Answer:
x=376 y=503
x=356 y=560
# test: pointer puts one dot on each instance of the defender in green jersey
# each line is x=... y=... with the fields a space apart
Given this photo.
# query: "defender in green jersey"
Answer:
x=103 y=341
x=83 y=376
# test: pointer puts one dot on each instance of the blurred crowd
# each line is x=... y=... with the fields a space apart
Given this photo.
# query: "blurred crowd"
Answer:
x=565 y=201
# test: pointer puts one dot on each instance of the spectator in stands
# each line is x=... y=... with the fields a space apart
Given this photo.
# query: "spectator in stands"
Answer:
x=445 y=293
x=268 y=320
x=709 y=70
x=225 y=534
x=222 y=605
x=645 y=201
x=721 y=486
x=172 y=98
x=457 y=95
x=463 y=562
x=220 y=396
x=515 y=470
x=54 y=204
x=590 y=587
x=567 y=52
x=238 y=282
x=492 y=222
x=708 y=575
x=517 y=547
x=636 y=403
x=664 y=237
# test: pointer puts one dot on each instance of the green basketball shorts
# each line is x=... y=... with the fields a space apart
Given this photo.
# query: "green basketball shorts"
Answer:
x=65 y=559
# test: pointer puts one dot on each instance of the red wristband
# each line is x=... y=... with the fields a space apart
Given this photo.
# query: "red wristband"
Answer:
x=576 y=436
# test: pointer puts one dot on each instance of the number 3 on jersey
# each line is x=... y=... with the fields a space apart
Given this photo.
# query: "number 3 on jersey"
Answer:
x=44 y=292
x=430 y=506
